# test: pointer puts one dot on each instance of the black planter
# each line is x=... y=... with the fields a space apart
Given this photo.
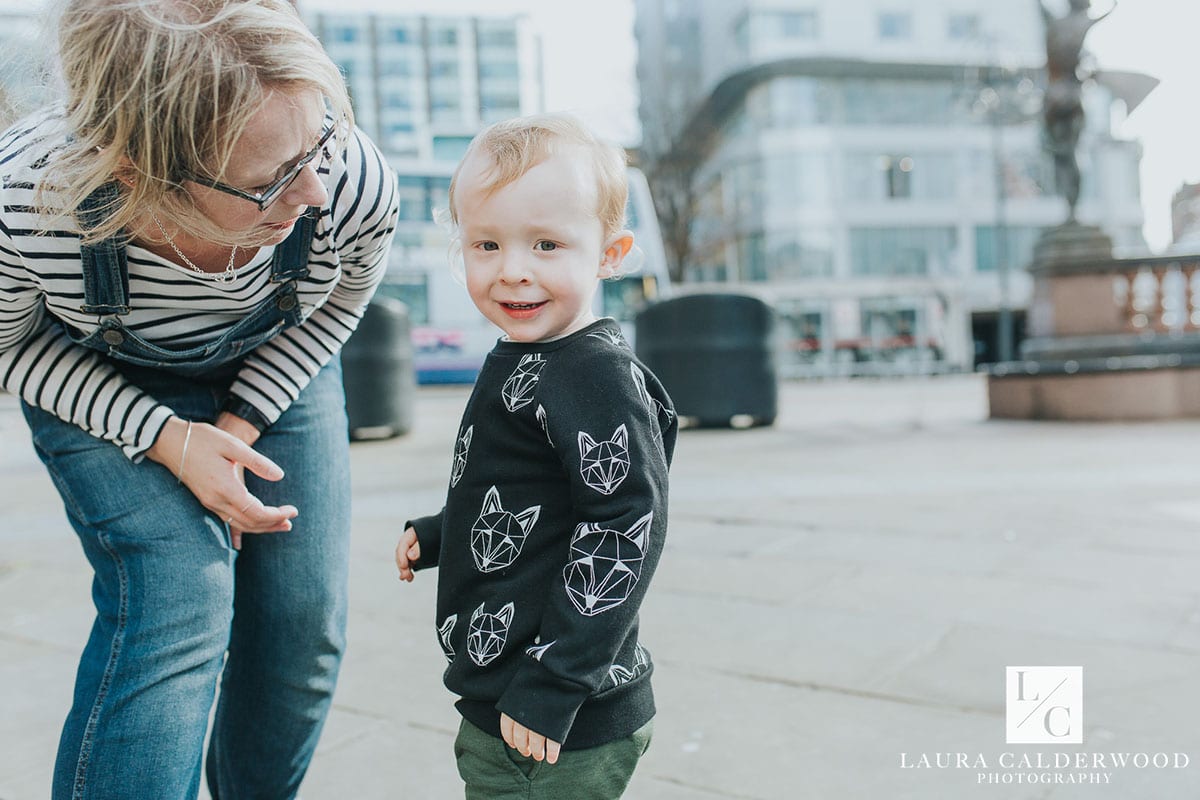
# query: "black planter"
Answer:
x=713 y=353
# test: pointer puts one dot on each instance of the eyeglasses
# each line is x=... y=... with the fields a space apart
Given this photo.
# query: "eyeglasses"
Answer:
x=269 y=194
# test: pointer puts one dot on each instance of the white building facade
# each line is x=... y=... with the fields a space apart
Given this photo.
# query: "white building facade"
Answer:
x=873 y=168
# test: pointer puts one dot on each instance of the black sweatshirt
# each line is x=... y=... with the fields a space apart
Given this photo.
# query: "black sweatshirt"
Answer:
x=553 y=525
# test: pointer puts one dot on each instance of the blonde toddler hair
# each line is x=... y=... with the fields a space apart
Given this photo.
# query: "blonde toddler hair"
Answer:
x=515 y=146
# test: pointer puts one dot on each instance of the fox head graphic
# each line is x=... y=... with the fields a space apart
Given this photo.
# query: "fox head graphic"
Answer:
x=518 y=389
x=487 y=634
x=604 y=465
x=605 y=565
x=444 y=631
x=498 y=535
x=461 y=448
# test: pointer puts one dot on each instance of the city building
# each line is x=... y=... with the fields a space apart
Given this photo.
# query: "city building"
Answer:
x=422 y=86
x=872 y=168
x=1185 y=220
x=24 y=78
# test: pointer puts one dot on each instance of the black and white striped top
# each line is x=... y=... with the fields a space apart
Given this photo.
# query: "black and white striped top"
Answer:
x=41 y=288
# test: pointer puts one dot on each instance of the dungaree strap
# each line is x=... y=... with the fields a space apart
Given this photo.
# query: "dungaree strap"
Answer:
x=105 y=271
x=291 y=255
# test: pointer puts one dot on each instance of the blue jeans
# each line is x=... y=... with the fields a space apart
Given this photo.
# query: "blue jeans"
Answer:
x=177 y=607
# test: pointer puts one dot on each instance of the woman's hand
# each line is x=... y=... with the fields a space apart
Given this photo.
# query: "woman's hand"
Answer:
x=212 y=471
x=249 y=434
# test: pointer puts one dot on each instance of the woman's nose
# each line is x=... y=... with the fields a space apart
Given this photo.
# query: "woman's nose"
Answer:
x=307 y=190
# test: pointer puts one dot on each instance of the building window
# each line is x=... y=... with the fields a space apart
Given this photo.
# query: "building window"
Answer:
x=420 y=195
x=497 y=37
x=450 y=148
x=343 y=33
x=797 y=24
x=397 y=101
x=413 y=198
x=396 y=68
x=443 y=69
x=445 y=36
x=889 y=327
x=962 y=27
x=903 y=251
x=897 y=176
x=1019 y=241
x=900 y=102
x=785 y=255
x=796 y=179
x=796 y=100
x=494 y=109
x=895 y=25
x=873 y=177
x=412 y=289
x=499 y=69
x=399 y=36
x=803 y=331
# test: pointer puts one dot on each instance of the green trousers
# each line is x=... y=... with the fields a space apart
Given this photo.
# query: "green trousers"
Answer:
x=494 y=771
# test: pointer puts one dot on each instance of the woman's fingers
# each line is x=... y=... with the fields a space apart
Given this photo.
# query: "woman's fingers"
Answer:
x=215 y=476
x=254 y=517
x=241 y=453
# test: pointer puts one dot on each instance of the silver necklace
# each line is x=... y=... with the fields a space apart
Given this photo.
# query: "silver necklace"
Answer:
x=220 y=277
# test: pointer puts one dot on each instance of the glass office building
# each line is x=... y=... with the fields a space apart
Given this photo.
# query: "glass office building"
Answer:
x=873 y=168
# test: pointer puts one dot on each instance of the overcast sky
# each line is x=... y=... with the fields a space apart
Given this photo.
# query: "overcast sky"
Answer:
x=1158 y=37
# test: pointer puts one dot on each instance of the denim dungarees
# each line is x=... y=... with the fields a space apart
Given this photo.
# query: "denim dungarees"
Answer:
x=166 y=629
x=106 y=293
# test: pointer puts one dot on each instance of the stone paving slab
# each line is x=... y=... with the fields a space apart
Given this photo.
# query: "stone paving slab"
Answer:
x=838 y=589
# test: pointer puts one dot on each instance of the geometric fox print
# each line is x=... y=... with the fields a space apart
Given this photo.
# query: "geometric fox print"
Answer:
x=657 y=410
x=486 y=635
x=461 y=447
x=498 y=535
x=444 y=636
x=611 y=337
x=618 y=674
x=604 y=465
x=519 y=388
x=542 y=418
x=605 y=565
x=538 y=649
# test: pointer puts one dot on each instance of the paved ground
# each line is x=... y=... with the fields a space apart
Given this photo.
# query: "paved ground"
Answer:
x=838 y=590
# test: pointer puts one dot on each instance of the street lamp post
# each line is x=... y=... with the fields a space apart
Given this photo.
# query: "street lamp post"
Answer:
x=1005 y=99
x=1004 y=332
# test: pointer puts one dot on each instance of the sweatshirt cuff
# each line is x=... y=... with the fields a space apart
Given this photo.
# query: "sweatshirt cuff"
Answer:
x=429 y=537
x=542 y=701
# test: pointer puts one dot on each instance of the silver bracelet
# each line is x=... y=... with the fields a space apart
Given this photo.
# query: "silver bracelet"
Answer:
x=187 y=437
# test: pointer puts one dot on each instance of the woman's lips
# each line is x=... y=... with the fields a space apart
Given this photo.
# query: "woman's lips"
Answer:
x=281 y=226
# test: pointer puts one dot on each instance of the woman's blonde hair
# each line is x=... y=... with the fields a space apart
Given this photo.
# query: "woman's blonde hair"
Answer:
x=515 y=146
x=159 y=89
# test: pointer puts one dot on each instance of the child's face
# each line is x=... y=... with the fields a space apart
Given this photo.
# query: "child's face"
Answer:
x=535 y=250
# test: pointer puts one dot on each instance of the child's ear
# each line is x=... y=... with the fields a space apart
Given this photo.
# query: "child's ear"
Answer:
x=615 y=250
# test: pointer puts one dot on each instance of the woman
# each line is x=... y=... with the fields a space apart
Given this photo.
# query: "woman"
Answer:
x=185 y=244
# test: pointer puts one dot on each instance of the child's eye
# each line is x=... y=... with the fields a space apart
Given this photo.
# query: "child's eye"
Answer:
x=489 y=246
x=545 y=246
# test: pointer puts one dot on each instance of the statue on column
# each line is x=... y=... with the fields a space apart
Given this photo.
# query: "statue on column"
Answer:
x=1062 y=109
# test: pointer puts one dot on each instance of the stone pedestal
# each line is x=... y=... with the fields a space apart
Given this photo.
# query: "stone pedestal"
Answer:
x=1072 y=289
x=1084 y=360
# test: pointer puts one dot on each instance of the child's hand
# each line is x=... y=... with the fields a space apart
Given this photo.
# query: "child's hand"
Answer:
x=408 y=552
x=527 y=742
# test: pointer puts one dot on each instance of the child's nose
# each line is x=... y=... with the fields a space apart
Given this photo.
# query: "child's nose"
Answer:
x=514 y=269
